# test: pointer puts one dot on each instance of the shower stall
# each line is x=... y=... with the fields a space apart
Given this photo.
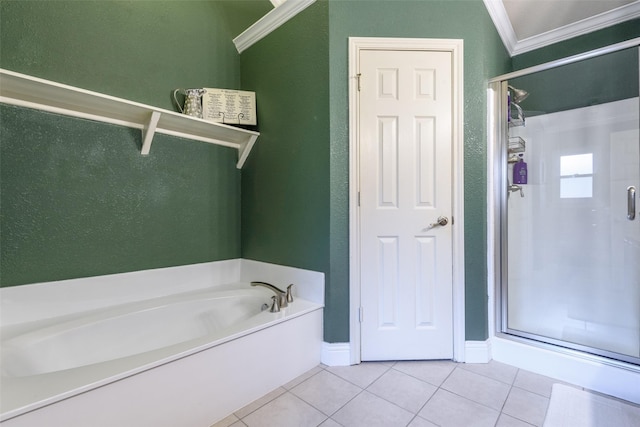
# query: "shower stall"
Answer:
x=564 y=195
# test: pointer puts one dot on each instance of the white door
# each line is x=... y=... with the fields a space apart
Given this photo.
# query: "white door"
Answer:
x=405 y=141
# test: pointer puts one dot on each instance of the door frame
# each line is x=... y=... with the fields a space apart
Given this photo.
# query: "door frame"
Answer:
x=455 y=46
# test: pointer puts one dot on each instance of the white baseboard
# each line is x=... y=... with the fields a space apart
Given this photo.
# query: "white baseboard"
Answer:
x=339 y=354
x=477 y=351
x=336 y=354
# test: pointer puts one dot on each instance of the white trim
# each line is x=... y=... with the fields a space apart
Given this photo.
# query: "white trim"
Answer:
x=269 y=23
x=477 y=351
x=585 y=26
x=572 y=368
x=501 y=21
x=568 y=60
x=588 y=25
x=336 y=354
x=354 y=230
x=455 y=46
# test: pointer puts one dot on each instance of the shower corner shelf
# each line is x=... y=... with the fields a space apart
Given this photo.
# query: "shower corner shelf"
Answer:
x=516 y=121
x=516 y=115
x=516 y=145
x=32 y=92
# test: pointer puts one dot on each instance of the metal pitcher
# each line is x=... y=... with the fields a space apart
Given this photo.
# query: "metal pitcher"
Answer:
x=192 y=101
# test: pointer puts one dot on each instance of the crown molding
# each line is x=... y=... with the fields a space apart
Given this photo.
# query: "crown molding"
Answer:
x=269 y=22
x=516 y=47
x=501 y=21
x=585 y=26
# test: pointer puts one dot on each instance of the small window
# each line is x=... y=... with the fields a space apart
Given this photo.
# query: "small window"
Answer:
x=576 y=176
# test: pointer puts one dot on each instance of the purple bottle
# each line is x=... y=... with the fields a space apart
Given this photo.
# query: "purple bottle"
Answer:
x=520 y=172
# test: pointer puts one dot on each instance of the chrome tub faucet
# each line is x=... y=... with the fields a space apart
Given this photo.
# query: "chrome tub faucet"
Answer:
x=281 y=299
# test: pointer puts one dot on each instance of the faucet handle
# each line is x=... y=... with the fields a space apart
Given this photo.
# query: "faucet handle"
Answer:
x=275 y=305
x=289 y=294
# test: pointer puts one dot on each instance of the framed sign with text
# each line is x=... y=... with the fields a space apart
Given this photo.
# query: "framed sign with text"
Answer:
x=229 y=106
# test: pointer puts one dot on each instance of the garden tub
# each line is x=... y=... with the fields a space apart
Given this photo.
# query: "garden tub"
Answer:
x=148 y=362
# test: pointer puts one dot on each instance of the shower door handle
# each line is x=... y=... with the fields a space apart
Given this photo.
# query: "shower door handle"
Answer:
x=631 y=203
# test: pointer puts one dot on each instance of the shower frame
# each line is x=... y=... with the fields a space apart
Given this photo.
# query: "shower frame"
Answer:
x=497 y=231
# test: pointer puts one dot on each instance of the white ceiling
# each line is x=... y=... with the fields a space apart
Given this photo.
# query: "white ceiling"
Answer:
x=525 y=25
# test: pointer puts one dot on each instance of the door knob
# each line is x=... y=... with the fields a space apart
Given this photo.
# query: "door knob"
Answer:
x=441 y=221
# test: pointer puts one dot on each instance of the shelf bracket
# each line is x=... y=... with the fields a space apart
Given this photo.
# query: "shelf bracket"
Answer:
x=148 y=132
x=244 y=149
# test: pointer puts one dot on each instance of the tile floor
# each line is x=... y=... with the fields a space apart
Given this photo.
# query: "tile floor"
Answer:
x=414 y=394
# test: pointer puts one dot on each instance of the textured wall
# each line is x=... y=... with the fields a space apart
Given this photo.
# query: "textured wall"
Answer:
x=240 y=15
x=285 y=191
x=484 y=57
x=598 y=80
x=77 y=198
x=138 y=50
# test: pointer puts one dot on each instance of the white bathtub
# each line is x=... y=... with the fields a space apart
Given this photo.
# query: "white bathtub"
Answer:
x=131 y=334
x=185 y=359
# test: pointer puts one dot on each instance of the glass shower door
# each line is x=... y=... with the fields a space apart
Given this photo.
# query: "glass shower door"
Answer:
x=573 y=245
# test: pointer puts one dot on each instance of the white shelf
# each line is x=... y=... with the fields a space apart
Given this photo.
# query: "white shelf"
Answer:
x=32 y=92
x=516 y=145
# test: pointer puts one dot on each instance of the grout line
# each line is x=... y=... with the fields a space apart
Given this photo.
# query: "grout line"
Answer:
x=489 y=376
x=450 y=373
x=359 y=386
x=414 y=415
x=344 y=379
x=265 y=403
x=474 y=401
x=532 y=392
x=345 y=404
x=425 y=381
x=362 y=390
x=511 y=386
x=334 y=412
x=304 y=380
x=286 y=390
x=432 y=394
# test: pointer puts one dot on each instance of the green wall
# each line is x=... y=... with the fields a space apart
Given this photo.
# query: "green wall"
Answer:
x=295 y=185
x=285 y=193
x=240 y=15
x=484 y=57
x=607 y=78
x=77 y=198
x=137 y=50
x=593 y=81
